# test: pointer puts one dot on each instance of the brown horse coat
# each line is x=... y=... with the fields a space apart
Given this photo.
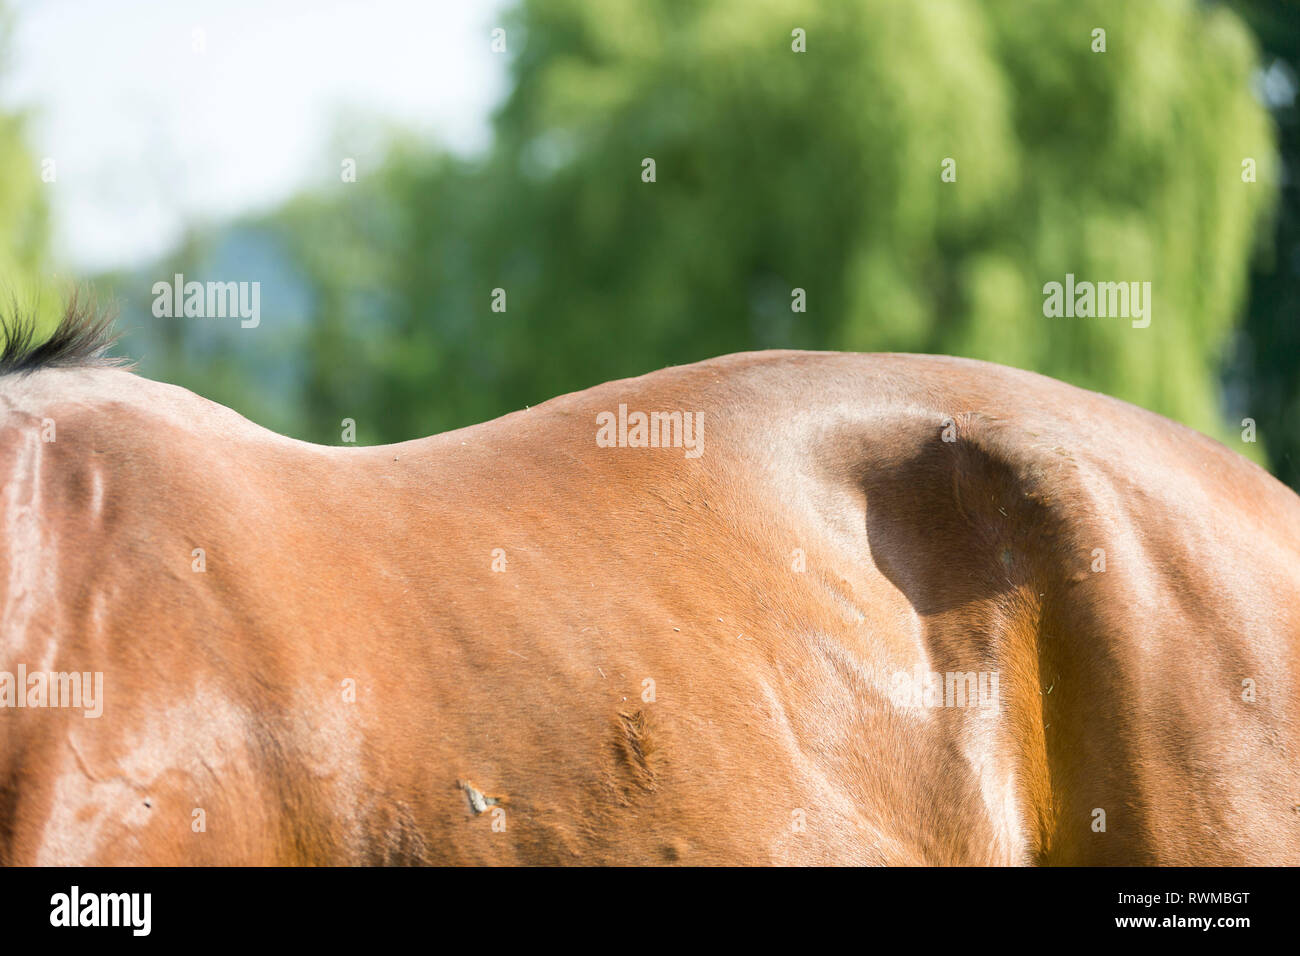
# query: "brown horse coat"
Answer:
x=514 y=643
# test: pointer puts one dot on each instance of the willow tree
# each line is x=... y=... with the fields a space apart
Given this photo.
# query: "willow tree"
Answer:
x=671 y=180
x=920 y=170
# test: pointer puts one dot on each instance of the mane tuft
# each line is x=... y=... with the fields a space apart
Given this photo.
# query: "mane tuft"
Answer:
x=81 y=340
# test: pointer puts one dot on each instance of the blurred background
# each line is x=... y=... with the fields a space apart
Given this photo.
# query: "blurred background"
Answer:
x=382 y=168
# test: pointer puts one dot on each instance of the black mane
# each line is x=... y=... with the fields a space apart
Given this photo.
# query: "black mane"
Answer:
x=81 y=340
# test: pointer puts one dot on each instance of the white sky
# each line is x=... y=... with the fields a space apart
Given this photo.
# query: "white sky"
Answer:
x=148 y=134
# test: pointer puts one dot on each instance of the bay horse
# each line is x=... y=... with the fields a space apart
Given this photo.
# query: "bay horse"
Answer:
x=773 y=608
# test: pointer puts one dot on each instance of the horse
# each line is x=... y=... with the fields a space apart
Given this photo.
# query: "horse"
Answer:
x=772 y=608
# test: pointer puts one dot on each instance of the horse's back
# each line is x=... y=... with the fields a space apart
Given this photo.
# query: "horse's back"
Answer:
x=525 y=642
x=118 y=494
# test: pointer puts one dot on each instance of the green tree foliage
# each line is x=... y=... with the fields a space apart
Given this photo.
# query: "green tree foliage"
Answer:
x=24 y=213
x=778 y=170
x=1265 y=376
